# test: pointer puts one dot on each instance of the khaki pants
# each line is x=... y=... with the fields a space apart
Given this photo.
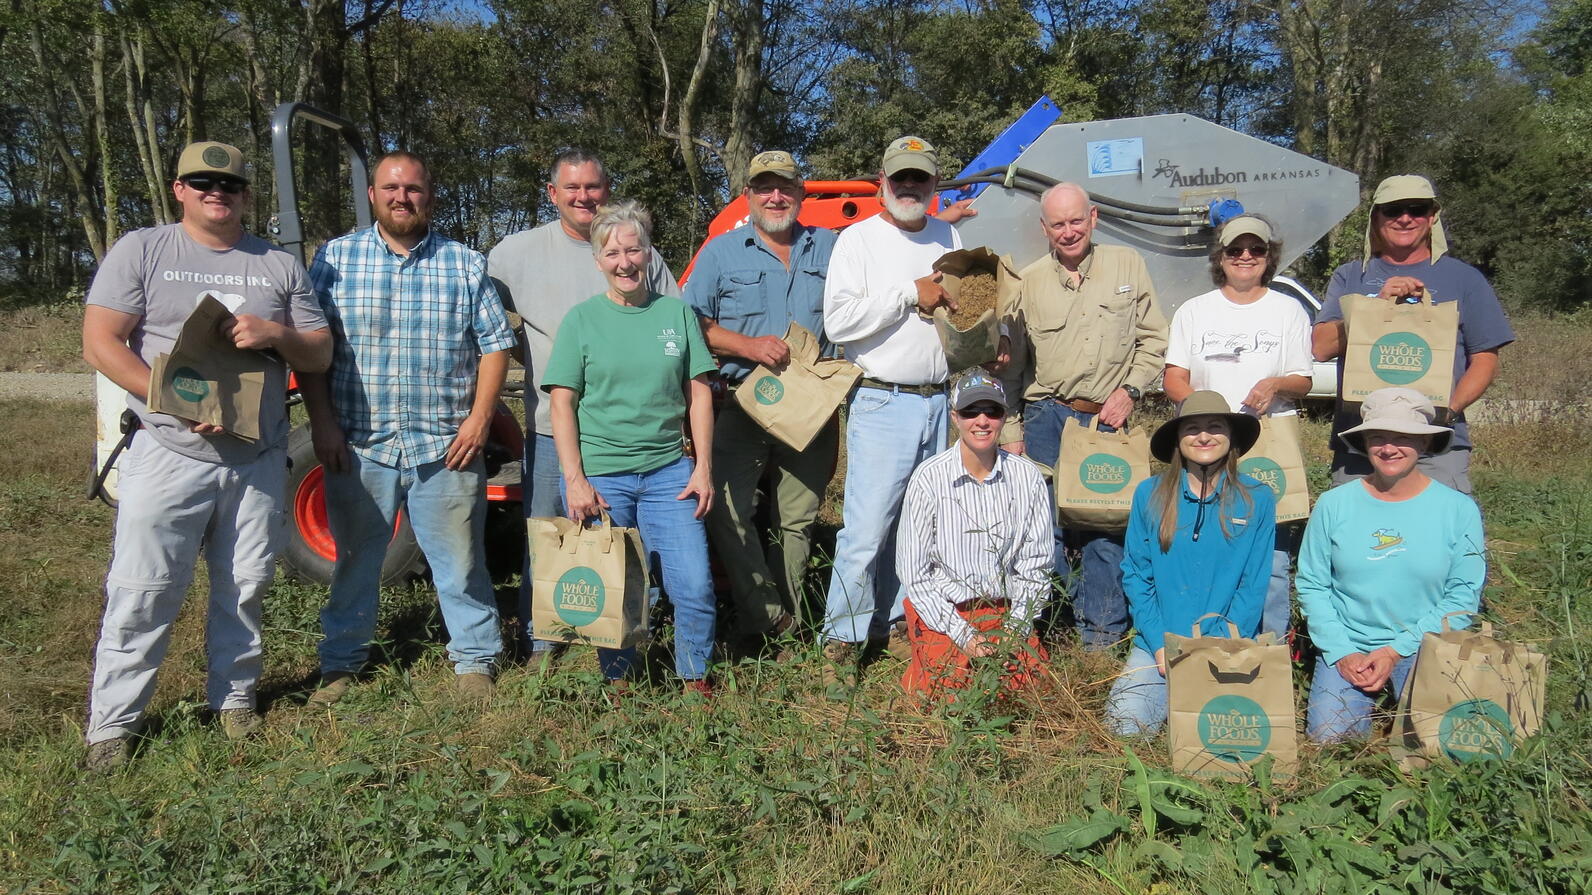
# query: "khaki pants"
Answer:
x=765 y=579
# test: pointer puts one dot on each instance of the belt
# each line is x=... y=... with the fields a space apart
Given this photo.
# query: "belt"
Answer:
x=923 y=390
x=1080 y=405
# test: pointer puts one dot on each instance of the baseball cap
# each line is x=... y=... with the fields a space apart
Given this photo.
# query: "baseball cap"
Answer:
x=774 y=161
x=974 y=386
x=1245 y=223
x=910 y=154
x=210 y=157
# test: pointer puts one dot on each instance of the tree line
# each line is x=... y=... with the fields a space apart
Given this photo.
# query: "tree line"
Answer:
x=1490 y=98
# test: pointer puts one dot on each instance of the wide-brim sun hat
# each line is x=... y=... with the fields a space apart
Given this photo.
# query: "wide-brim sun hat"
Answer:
x=1245 y=428
x=1402 y=410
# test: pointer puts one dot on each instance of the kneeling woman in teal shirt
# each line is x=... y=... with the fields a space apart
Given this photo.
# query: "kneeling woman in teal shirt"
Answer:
x=1383 y=560
x=1199 y=540
x=628 y=368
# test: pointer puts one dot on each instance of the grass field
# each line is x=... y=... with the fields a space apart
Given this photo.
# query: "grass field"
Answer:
x=778 y=785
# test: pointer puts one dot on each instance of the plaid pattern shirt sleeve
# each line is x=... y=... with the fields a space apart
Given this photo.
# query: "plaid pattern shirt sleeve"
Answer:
x=410 y=332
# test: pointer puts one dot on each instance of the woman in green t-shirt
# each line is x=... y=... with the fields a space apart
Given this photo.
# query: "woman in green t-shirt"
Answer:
x=628 y=368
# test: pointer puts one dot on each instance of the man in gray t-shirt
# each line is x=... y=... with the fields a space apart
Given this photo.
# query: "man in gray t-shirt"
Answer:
x=540 y=274
x=183 y=483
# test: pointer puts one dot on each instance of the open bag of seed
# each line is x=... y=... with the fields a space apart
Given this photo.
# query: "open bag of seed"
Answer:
x=982 y=284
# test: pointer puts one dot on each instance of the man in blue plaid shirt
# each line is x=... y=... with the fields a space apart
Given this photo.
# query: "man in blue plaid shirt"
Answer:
x=401 y=420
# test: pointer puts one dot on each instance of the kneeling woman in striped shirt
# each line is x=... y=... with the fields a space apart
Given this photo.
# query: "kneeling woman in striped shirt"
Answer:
x=974 y=551
x=1199 y=541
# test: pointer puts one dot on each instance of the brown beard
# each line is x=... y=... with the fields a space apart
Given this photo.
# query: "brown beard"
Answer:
x=410 y=226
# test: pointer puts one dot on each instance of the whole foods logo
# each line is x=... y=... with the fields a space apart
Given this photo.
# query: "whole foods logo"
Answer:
x=1268 y=473
x=1476 y=728
x=1400 y=358
x=216 y=157
x=578 y=597
x=1104 y=474
x=189 y=385
x=1234 y=728
x=768 y=390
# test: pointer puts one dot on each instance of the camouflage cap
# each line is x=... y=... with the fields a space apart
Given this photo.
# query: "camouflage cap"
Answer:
x=776 y=162
x=910 y=154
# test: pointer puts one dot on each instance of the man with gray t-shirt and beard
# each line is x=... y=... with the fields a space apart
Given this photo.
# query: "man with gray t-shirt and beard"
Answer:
x=183 y=484
x=540 y=274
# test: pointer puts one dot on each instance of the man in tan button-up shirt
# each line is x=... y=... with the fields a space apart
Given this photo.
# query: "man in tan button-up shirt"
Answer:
x=1087 y=340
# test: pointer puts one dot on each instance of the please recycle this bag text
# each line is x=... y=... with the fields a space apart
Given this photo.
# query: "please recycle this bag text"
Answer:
x=1096 y=474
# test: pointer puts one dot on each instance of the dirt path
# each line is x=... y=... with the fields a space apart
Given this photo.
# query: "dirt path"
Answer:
x=48 y=386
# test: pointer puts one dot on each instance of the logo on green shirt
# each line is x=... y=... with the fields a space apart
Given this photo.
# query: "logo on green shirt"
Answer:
x=769 y=390
x=189 y=385
x=1267 y=473
x=1104 y=474
x=1234 y=728
x=1400 y=358
x=578 y=597
x=1476 y=728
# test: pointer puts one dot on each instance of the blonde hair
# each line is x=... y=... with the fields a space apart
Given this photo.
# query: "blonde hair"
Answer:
x=623 y=213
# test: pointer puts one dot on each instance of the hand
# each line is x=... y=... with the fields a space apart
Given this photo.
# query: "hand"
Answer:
x=468 y=444
x=1399 y=287
x=249 y=331
x=1160 y=661
x=1003 y=356
x=1015 y=447
x=980 y=646
x=581 y=500
x=207 y=429
x=1379 y=668
x=956 y=211
x=1260 y=397
x=1352 y=668
x=1114 y=412
x=331 y=446
x=770 y=351
x=931 y=294
x=700 y=486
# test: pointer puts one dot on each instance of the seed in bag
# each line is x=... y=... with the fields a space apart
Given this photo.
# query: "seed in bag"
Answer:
x=978 y=294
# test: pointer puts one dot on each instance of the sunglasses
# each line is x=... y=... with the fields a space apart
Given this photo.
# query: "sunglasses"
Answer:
x=911 y=176
x=768 y=189
x=1395 y=210
x=1238 y=251
x=973 y=413
x=229 y=185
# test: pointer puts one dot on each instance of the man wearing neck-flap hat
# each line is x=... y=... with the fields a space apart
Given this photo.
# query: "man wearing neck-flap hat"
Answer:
x=1406 y=256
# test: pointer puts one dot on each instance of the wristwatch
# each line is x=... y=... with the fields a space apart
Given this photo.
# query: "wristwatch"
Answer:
x=1133 y=393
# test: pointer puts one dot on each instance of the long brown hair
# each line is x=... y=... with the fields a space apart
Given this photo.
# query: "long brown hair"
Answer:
x=1169 y=484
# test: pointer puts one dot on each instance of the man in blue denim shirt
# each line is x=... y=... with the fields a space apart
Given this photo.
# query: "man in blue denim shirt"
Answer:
x=748 y=286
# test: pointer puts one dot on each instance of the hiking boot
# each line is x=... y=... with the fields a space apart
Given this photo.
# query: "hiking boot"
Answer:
x=898 y=645
x=240 y=724
x=334 y=686
x=106 y=756
x=840 y=662
x=476 y=686
x=757 y=644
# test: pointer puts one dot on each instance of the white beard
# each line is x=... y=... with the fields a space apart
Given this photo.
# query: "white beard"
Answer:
x=907 y=211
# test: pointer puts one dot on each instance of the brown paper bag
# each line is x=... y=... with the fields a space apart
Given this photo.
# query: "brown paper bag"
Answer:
x=1409 y=345
x=979 y=343
x=1471 y=695
x=794 y=403
x=1096 y=474
x=1277 y=461
x=589 y=585
x=1229 y=701
x=207 y=379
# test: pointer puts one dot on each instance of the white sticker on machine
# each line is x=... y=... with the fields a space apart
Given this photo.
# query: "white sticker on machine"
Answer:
x=1110 y=158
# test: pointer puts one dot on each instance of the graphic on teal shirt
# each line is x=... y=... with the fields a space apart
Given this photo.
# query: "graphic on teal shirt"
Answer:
x=1384 y=538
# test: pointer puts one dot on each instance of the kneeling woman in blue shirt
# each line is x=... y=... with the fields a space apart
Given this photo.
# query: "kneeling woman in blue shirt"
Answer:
x=1384 y=559
x=1199 y=540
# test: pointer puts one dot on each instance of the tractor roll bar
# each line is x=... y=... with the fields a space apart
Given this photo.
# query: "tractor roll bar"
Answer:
x=286 y=225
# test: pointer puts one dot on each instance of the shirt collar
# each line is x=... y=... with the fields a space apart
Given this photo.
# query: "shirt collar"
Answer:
x=995 y=472
x=1084 y=266
x=804 y=238
x=421 y=249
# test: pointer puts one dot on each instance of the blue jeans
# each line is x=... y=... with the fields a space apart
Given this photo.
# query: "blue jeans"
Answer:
x=1099 y=604
x=888 y=433
x=1278 y=609
x=1137 y=705
x=541 y=494
x=676 y=541
x=1338 y=709
x=447 y=510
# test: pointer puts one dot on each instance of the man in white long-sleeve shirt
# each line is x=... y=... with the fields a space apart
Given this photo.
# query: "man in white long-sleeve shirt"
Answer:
x=975 y=552
x=880 y=278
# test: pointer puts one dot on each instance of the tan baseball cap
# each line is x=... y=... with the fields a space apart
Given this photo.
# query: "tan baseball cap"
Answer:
x=774 y=161
x=210 y=157
x=1400 y=188
x=1245 y=223
x=910 y=154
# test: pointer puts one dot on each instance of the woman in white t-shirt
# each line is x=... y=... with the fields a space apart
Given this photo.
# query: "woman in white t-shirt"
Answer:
x=1252 y=346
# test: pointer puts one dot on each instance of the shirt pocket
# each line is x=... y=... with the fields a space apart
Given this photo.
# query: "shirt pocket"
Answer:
x=810 y=281
x=1117 y=315
x=743 y=296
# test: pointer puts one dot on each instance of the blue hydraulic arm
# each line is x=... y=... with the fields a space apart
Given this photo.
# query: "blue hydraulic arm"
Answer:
x=1004 y=149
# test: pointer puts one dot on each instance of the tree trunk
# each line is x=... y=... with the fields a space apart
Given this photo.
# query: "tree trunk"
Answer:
x=747 y=48
x=55 y=135
x=102 y=134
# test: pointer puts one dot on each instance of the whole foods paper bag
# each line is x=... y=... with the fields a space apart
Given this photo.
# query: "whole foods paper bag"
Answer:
x=588 y=585
x=972 y=336
x=1409 y=345
x=794 y=403
x=1277 y=461
x=1471 y=695
x=1096 y=473
x=207 y=379
x=1229 y=701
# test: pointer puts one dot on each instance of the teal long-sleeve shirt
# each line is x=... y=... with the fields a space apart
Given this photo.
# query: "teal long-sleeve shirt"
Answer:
x=1226 y=574
x=1375 y=573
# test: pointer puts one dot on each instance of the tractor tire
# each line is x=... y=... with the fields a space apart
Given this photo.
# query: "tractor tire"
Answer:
x=310 y=553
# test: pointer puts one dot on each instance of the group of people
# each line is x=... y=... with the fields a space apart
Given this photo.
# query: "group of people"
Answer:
x=946 y=555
